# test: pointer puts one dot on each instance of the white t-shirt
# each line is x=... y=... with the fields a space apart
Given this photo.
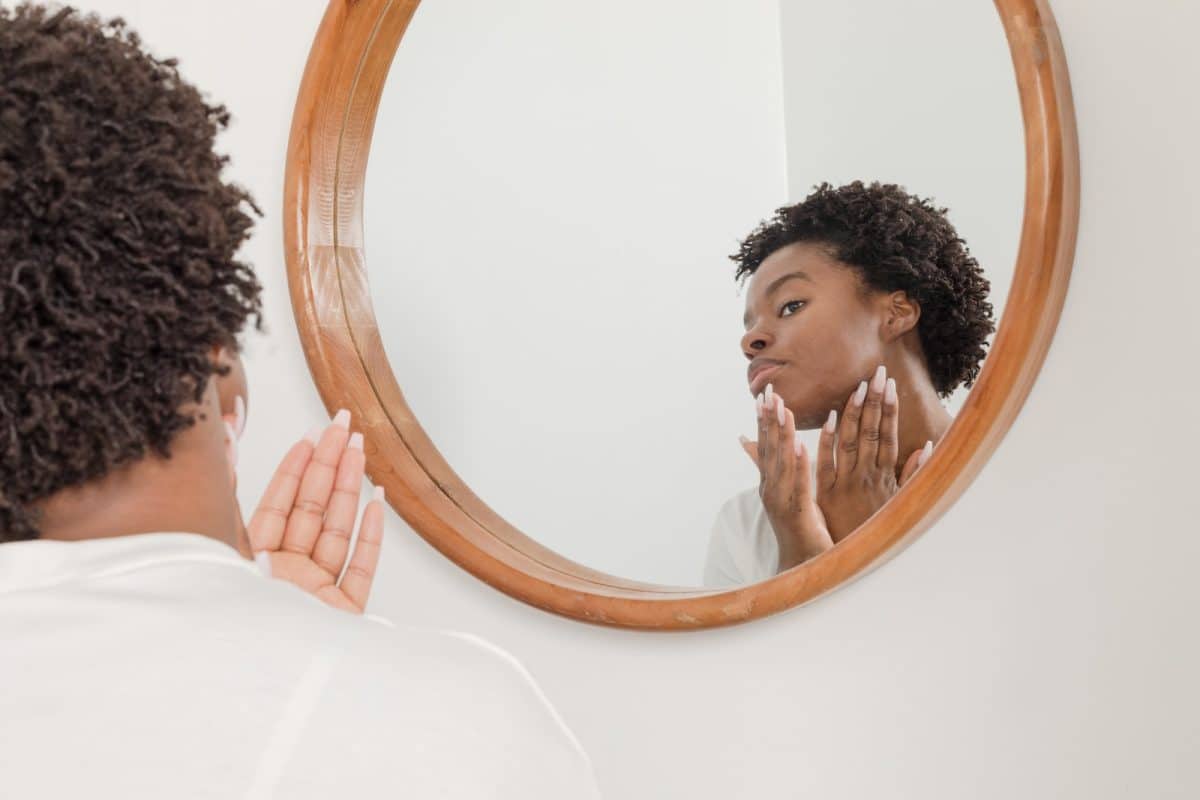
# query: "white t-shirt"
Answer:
x=742 y=548
x=166 y=665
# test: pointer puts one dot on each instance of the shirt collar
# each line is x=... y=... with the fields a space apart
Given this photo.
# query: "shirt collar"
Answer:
x=41 y=563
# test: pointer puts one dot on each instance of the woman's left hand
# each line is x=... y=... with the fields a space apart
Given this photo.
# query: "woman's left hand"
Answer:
x=856 y=468
x=306 y=517
x=856 y=461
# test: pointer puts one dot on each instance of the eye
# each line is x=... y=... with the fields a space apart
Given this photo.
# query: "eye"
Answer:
x=790 y=308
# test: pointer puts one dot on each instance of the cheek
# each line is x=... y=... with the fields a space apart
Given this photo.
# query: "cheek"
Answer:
x=825 y=367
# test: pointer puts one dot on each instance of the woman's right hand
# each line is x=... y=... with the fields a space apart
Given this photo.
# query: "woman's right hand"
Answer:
x=786 y=485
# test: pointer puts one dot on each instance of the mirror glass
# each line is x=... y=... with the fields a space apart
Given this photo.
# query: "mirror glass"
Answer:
x=555 y=194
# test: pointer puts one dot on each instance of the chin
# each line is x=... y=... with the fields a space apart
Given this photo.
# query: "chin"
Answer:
x=810 y=411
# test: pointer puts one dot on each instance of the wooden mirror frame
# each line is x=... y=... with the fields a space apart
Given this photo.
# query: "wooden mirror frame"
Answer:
x=323 y=237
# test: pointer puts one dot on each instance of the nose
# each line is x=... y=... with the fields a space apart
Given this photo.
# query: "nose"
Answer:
x=754 y=342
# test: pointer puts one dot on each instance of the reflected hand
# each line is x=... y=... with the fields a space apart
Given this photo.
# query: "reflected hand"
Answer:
x=786 y=485
x=305 y=519
x=856 y=469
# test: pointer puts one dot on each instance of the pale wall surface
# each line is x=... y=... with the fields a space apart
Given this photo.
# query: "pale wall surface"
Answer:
x=1039 y=642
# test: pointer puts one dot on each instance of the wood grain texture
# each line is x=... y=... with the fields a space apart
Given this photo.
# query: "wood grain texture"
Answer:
x=328 y=278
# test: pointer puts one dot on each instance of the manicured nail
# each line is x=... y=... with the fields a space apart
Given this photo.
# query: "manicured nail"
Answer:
x=831 y=422
x=356 y=441
x=314 y=435
x=239 y=408
x=926 y=452
x=889 y=393
x=342 y=418
x=377 y=495
x=743 y=439
x=231 y=443
x=263 y=559
x=861 y=395
x=760 y=404
x=779 y=407
x=878 y=379
x=798 y=445
x=770 y=395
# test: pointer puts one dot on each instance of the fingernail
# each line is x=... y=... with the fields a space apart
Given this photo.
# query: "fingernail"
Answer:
x=779 y=408
x=861 y=395
x=377 y=494
x=831 y=422
x=926 y=452
x=263 y=559
x=239 y=409
x=342 y=419
x=356 y=441
x=743 y=439
x=314 y=435
x=231 y=444
x=770 y=394
x=798 y=446
x=878 y=379
x=759 y=404
x=889 y=393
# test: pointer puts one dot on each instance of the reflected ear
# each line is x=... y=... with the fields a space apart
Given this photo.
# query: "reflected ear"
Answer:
x=900 y=315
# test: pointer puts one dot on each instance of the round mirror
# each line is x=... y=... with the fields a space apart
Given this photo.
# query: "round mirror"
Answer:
x=603 y=242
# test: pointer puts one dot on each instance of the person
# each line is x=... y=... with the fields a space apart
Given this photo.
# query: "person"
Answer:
x=155 y=644
x=862 y=299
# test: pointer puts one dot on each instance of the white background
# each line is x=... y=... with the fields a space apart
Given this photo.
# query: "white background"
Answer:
x=1038 y=642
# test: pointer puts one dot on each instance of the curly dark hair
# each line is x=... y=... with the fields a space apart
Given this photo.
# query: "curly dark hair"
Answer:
x=896 y=242
x=117 y=243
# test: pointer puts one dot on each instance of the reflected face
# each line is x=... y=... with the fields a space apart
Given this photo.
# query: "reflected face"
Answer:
x=812 y=330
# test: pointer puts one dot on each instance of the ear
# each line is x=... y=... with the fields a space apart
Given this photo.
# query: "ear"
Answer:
x=900 y=315
x=231 y=387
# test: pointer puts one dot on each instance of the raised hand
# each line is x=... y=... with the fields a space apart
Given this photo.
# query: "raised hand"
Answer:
x=856 y=461
x=786 y=484
x=306 y=516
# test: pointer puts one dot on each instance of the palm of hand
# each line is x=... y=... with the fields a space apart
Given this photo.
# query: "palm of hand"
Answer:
x=306 y=517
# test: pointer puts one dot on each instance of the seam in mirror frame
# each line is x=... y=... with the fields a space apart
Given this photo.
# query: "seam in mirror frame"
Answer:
x=328 y=147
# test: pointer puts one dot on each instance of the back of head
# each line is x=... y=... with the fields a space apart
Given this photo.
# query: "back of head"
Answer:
x=117 y=245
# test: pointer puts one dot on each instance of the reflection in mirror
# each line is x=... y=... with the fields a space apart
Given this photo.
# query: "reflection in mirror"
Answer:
x=585 y=232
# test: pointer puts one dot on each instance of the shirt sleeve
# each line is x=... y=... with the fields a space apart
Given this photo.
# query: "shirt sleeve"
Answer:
x=741 y=547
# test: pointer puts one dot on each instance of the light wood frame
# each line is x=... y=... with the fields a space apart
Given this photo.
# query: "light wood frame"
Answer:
x=327 y=273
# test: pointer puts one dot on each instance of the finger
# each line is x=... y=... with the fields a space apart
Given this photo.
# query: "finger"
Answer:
x=915 y=462
x=847 y=447
x=316 y=485
x=766 y=439
x=333 y=543
x=889 y=429
x=785 y=447
x=868 y=428
x=805 y=489
x=360 y=573
x=826 y=461
x=751 y=448
x=271 y=515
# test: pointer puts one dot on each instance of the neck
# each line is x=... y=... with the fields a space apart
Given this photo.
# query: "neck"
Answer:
x=191 y=492
x=922 y=416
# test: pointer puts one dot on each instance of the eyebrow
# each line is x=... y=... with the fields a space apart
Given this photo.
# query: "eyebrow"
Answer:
x=775 y=284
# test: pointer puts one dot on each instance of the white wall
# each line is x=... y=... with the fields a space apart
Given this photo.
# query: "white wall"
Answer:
x=551 y=198
x=1039 y=642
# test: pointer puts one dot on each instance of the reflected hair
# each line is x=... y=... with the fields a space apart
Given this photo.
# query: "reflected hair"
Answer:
x=895 y=241
x=117 y=243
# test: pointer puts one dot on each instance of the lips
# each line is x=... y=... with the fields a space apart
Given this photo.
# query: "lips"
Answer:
x=759 y=373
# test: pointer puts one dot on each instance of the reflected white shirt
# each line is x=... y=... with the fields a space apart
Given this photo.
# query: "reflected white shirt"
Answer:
x=742 y=547
x=166 y=665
